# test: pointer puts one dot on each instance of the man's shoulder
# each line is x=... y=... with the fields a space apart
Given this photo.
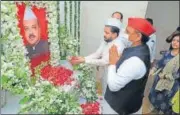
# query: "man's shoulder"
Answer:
x=118 y=41
x=43 y=41
x=42 y=45
x=121 y=41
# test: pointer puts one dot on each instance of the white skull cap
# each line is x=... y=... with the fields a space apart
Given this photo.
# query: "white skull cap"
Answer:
x=29 y=14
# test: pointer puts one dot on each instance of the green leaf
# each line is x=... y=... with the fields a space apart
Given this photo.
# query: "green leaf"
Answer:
x=18 y=72
x=75 y=67
x=4 y=80
x=24 y=100
x=33 y=80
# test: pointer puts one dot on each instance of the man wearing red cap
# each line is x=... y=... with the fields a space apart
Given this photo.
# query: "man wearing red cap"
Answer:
x=128 y=74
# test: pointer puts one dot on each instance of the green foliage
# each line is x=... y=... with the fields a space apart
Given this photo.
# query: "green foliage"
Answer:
x=17 y=83
x=68 y=44
x=47 y=99
x=87 y=82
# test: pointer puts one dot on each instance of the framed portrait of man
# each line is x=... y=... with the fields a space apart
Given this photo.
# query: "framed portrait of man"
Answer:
x=33 y=26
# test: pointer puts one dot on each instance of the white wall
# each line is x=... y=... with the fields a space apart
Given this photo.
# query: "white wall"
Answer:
x=95 y=13
x=165 y=15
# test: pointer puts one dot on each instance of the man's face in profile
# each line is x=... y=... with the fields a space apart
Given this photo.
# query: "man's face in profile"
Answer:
x=32 y=31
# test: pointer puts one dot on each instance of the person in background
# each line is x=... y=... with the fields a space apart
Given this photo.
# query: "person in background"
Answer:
x=127 y=74
x=118 y=15
x=123 y=36
x=166 y=78
x=168 y=39
x=152 y=43
x=178 y=28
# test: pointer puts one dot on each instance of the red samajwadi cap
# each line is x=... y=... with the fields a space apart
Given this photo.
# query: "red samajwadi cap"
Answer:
x=141 y=25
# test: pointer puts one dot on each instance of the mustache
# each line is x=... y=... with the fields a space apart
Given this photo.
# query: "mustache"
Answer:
x=32 y=36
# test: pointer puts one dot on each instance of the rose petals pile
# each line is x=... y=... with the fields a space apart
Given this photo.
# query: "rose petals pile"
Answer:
x=57 y=75
x=91 y=108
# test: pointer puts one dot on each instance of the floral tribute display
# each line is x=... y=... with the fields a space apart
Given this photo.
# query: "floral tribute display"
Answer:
x=15 y=69
x=31 y=50
x=34 y=31
x=32 y=22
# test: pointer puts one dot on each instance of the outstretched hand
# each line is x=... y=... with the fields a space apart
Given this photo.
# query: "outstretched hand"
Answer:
x=76 y=60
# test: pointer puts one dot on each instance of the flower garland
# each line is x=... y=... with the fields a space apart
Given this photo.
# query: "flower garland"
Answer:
x=79 y=12
x=43 y=97
x=68 y=44
x=65 y=16
x=69 y=30
x=70 y=16
x=87 y=83
x=15 y=66
x=75 y=21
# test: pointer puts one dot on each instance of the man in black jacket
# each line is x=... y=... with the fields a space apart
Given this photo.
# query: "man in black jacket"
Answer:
x=127 y=73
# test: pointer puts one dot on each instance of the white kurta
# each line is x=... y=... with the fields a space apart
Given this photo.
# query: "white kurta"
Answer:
x=131 y=69
x=101 y=57
x=124 y=37
x=152 y=46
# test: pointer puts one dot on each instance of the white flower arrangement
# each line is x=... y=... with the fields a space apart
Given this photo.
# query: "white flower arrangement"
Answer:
x=47 y=99
x=13 y=49
x=68 y=44
x=42 y=97
x=14 y=67
x=87 y=83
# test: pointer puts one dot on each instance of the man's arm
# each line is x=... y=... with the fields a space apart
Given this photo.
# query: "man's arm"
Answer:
x=104 y=60
x=100 y=62
x=96 y=58
x=132 y=68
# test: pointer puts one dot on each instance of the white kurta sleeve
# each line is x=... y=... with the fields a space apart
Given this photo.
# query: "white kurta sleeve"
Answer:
x=120 y=45
x=131 y=69
x=152 y=46
x=101 y=56
x=96 y=58
x=99 y=62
